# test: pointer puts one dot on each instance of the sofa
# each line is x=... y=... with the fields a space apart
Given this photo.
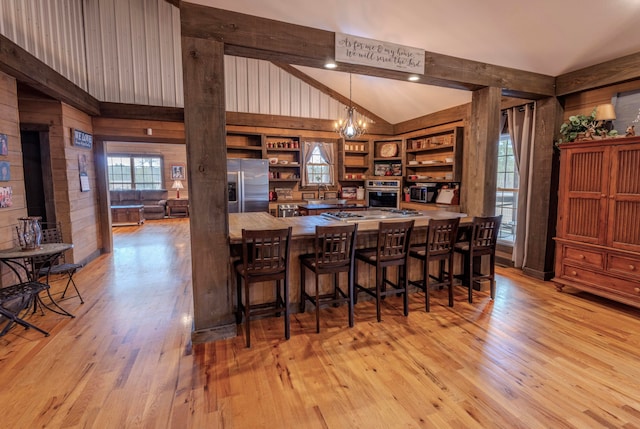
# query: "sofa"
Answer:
x=154 y=201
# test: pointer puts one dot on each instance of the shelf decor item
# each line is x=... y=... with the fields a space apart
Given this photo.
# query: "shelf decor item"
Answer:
x=389 y=150
x=29 y=232
x=349 y=128
x=587 y=127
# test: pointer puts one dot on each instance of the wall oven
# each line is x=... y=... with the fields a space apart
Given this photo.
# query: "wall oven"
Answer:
x=383 y=193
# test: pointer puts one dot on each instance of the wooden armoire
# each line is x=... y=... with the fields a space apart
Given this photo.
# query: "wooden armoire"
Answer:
x=598 y=230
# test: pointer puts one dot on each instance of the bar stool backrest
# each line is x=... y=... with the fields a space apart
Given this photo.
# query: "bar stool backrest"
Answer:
x=266 y=251
x=393 y=240
x=441 y=236
x=335 y=245
x=484 y=234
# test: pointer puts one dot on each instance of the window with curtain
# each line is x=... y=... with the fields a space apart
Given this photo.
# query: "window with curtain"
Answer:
x=507 y=189
x=134 y=172
x=318 y=164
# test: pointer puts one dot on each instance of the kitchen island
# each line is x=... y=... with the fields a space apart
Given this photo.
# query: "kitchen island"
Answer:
x=303 y=233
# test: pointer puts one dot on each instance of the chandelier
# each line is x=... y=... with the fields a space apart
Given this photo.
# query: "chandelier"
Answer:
x=349 y=128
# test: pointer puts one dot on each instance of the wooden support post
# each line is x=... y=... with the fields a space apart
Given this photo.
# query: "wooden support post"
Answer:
x=481 y=153
x=543 y=191
x=205 y=132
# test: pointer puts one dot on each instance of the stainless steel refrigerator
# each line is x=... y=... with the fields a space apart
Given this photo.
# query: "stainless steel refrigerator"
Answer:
x=248 y=185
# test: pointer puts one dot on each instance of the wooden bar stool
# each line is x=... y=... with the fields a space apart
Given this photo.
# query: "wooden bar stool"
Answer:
x=265 y=257
x=392 y=249
x=334 y=254
x=482 y=241
x=441 y=237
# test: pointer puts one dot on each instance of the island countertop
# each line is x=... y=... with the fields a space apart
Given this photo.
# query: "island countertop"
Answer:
x=305 y=226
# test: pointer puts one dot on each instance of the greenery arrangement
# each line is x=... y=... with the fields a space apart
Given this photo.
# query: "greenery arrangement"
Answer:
x=584 y=127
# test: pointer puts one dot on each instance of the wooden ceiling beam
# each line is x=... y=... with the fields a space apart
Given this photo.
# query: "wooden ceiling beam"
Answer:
x=29 y=70
x=143 y=112
x=608 y=73
x=266 y=39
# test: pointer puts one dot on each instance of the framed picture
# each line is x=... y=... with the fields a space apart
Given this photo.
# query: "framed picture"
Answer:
x=5 y=171
x=177 y=172
x=4 y=145
x=6 y=197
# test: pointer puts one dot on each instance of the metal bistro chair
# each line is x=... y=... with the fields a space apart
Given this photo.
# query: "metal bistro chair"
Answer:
x=441 y=237
x=392 y=249
x=334 y=254
x=14 y=299
x=482 y=241
x=265 y=257
x=52 y=233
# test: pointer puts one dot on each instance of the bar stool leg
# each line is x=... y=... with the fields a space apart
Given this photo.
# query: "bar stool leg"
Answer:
x=379 y=282
x=350 y=291
x=287 y=325
x=317 y=304
x=247 y=313
x=303 y=300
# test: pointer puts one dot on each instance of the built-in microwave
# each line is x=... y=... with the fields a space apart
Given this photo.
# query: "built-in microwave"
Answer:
x=423 y=192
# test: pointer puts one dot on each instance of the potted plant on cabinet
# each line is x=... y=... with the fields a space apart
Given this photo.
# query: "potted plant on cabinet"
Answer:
x=584 y=127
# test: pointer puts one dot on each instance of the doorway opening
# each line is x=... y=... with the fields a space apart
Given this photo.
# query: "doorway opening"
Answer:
x=38 y=178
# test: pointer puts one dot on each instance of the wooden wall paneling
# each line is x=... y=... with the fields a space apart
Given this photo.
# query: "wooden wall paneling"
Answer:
x=242 y=83
x=177 y=55
x=448 y=116
x=480 y=173
x=543 y=192
x=264 y=90
x=231 y=83
x=274 y=90
x=128 y=129
x=253 y=86
x=285 y=92
x=314 y=103
x=95 y=59
x=203 y=64
x=305 y=103
x=10 y=126
x=152 y=30
x=295 y=89
x=167 y=56
x=137 y=80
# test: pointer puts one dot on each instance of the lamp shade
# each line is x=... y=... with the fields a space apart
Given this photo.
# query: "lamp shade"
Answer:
x=177 y=185
x=605 y=112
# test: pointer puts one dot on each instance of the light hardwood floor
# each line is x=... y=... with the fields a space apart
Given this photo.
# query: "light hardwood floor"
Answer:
x=533 y=358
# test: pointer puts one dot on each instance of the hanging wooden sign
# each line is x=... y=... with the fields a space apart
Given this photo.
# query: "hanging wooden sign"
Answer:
x=374 y=53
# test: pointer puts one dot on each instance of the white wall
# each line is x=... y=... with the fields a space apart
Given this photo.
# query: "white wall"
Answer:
x=128 y=51
x=52 y=31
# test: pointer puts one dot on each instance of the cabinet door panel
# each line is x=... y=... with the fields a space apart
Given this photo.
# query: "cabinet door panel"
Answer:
x=584 y=208
x=624 y=199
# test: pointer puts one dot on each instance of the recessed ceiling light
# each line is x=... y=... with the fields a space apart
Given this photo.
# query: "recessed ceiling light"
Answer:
x=414 y=78
x=330 y=65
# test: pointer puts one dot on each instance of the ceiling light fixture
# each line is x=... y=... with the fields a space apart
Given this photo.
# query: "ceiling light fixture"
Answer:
x=349 y=128
x=414 y=78
x=330 y=65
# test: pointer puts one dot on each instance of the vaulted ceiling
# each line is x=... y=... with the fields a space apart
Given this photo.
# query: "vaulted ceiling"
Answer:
x=544 y=36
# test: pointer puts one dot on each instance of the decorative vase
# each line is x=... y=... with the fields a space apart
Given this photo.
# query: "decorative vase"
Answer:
x=29 y=232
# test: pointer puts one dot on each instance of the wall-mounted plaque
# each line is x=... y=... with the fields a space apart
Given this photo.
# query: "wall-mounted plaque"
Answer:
x=82 y=139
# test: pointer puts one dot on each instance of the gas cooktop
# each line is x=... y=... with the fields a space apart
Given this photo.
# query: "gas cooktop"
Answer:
x=342 y=215
x=376 y=214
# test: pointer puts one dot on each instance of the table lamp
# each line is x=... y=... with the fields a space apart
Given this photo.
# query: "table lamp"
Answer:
x=177 y=185
x=605 y=113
